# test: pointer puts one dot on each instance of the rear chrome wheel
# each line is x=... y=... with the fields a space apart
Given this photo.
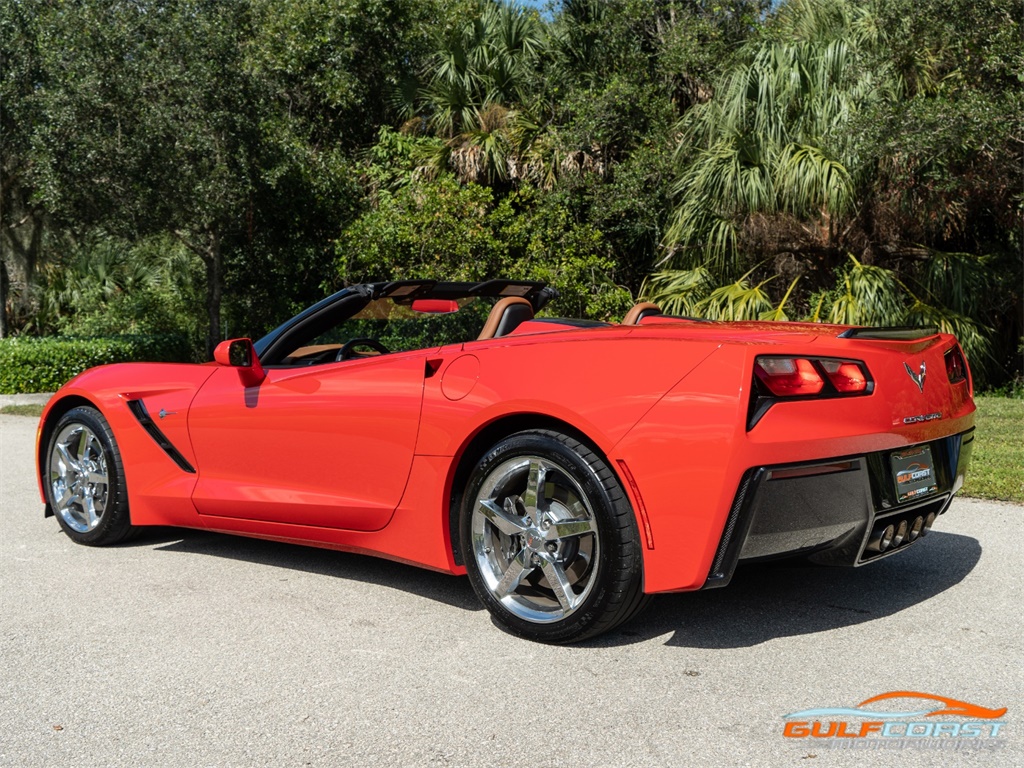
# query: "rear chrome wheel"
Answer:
x=535 y=539
x=85 y=479
x=551 y=541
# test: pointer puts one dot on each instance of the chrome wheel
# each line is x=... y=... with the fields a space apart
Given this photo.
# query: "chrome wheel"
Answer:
x=79 y=481
x=535 y=539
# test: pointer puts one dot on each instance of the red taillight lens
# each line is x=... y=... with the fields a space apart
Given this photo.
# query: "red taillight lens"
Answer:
x=846 y=376
x=789 y=376
x=807 y=376
x=956 y=366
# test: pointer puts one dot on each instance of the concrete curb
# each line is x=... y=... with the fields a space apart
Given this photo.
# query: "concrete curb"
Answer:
x=38 y=398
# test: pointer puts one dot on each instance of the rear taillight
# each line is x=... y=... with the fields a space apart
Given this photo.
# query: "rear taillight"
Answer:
x=779 y=377
x=809 y=376
x=956 y=366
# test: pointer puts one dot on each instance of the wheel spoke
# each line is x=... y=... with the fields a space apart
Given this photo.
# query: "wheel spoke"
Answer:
x=96 y=448
x=565 y=528
x=83 y=443
x=90 y=510
x=501 y=519
x=514 y=575
x=96 y=478
x=534 y=494
x=68 y=461
x=559 y=583
x=66 y=498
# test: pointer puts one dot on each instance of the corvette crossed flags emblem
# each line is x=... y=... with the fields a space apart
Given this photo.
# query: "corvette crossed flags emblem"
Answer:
x=917 y=377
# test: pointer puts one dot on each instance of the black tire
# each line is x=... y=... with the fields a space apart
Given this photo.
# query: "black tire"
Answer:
x=576 y=532
x=84 y=479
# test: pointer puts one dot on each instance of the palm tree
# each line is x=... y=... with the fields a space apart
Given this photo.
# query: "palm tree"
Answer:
x=772 y=166
x=488 y=60
x=773 y=141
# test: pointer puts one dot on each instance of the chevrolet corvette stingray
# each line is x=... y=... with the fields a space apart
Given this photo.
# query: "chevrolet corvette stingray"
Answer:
x=570 y=468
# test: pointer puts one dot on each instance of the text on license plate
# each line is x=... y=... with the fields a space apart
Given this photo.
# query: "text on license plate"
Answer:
x=914 y=472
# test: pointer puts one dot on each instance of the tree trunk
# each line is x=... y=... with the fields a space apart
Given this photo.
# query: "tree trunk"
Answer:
x=214 y=288
x=4 y=286
x=21 y=243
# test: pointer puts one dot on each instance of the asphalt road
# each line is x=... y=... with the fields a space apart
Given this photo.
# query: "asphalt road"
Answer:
x=194 y=649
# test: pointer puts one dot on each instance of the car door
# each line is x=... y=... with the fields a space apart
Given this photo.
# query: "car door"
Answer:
x=329 y=445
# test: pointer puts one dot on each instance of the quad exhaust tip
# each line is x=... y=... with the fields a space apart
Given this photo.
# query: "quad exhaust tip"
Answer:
x=901 y=533
x=883 y=540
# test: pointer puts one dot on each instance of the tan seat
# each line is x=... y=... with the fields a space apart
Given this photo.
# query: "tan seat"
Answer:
x=505 y=317
x=640 y=311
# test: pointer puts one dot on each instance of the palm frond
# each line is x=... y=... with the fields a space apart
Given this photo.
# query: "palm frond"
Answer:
x=736 y=301
x=868 y=295
x=677 y=291
x=779 y=311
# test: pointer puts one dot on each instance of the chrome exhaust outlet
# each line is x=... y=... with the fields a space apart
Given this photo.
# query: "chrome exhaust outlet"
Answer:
x=916 y=529
x=928 y=523
x=882 y=541
x=901 y=533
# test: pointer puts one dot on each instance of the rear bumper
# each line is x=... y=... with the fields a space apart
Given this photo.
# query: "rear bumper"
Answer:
x=836 y=511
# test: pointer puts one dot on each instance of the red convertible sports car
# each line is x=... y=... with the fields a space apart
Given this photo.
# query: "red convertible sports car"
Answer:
x=571 y=468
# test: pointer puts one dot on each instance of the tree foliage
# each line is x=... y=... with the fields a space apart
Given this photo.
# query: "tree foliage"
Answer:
x=166 y=161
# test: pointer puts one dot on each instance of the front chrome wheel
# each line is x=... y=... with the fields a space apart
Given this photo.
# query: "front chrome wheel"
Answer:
x=535 y=539
x=84 y=478
x=78 y=478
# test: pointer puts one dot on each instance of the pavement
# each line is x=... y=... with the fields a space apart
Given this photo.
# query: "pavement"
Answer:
x=186 y=648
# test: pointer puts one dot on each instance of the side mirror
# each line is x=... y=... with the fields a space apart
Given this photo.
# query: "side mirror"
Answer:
x=240 y=354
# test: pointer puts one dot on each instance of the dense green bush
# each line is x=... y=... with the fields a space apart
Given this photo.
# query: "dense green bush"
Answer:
x=44 y=364
x=445 y=230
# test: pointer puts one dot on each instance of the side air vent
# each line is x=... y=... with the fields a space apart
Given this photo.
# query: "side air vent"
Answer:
x=138 y=409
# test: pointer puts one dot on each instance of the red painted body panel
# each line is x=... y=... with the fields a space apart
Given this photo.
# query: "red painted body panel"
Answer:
x=361 y=455
x=689 y=453
x=328 y=446
x=159 y=492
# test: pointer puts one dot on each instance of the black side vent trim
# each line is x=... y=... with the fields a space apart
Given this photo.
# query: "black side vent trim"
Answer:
x=138 y=409
x=735 y=533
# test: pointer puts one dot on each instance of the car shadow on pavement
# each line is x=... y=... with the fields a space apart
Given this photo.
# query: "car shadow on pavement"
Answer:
x=450 y=590
x=763 y=602
x=766 y=601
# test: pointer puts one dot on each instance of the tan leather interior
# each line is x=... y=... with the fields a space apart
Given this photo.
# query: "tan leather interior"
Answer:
x=639 y=311
x=505 y=317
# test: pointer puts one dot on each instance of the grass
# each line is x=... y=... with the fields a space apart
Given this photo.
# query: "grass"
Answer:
x=997 y=464
x=22 y=410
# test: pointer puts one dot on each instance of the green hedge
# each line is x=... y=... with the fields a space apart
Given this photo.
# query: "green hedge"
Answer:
x=29 y=364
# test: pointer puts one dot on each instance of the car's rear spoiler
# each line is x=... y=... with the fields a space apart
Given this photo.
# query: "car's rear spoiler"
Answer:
x=900 y=333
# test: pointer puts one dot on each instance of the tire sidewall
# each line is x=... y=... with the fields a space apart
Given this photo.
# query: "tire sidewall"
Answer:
x=568 y=460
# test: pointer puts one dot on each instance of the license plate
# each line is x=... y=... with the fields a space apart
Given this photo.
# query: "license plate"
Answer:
x=914 y=472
